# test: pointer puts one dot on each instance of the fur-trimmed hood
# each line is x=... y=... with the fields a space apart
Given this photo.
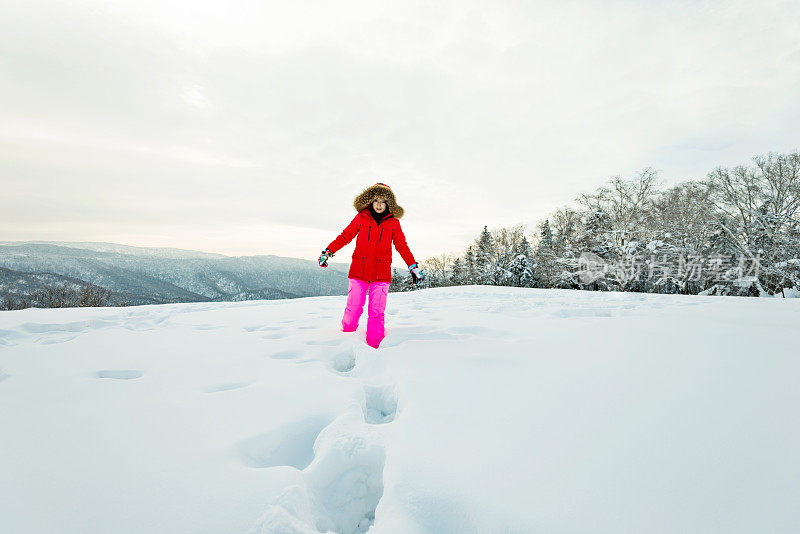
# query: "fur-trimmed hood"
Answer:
x=368 y=195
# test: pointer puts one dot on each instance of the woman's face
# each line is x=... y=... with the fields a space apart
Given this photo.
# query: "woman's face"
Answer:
x=379 y=204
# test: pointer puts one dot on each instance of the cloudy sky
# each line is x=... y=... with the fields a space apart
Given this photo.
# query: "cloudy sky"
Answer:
x=248 y=127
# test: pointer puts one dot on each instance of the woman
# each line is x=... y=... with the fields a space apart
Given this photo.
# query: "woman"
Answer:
x=377 y=226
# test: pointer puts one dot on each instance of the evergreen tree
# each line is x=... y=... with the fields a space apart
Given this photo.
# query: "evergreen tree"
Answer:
x=469 y=275
x=563 y=243
x=521 y=266
x=457 y=275
x=484 y=258
x=597 y=235
x=545 y=257
x=547 y=235
x=525 y=248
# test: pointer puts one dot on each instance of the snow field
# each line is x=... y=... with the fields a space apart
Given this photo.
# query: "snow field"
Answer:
x=486 y=409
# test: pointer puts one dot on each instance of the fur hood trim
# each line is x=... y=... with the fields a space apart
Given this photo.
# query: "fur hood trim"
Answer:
x=368 y=195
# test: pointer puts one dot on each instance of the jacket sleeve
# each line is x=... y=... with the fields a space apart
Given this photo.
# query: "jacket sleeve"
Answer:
x=400 y=244
x=346 y=236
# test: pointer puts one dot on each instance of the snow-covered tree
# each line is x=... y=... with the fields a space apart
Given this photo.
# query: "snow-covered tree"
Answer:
x=737 y=232
x=469 y=266
x=437 y=269
x=521 y=266
x=757 y=207
x=545 y=257
x=484 y=258
x=546 y=239
x=457 y=273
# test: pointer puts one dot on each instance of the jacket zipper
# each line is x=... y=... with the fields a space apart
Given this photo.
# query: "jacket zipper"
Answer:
x=380 y=236
x=369 y=232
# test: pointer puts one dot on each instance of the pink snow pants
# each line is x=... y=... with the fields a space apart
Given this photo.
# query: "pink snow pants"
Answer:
x=356 y=296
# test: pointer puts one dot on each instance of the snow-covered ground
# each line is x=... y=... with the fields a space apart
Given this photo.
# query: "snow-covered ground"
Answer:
x=485 y=410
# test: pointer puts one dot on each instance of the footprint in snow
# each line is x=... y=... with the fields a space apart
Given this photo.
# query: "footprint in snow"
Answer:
x=77 y=326
x=328 y=342
x=143 y=322
x=138 y=327
x=260 y=328
x=227 y=387
x=476 y=331
x=276 y=335
x=54 y=339
x=380 y=404
x=291 y=444
x=344 y=361
x=340 y=491
x=9 y=334
x=583 y=312
x=120 y=374
x=285 y=355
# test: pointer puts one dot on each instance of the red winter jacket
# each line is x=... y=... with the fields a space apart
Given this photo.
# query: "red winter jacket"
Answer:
x=372 y=258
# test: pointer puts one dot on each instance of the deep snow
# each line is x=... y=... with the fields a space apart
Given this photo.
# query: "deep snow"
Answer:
x=485 y=410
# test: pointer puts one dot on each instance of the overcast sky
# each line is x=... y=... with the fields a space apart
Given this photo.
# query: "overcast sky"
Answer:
x=248 y=127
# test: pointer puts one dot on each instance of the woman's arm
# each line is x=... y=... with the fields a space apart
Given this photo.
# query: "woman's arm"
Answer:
x=399 y=239
x=346 y=236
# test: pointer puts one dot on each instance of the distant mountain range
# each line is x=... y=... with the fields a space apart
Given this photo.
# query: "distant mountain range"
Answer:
x=139 y=275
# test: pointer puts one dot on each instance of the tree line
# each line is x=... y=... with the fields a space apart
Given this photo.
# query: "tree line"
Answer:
x=61 y=296
x=736 y=232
